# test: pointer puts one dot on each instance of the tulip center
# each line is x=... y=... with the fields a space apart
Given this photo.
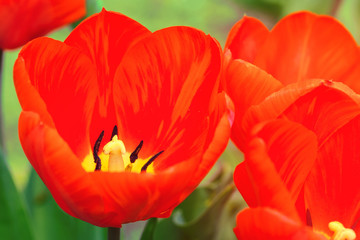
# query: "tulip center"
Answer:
x=116 y=151
x=115 y=158
x=340 y=232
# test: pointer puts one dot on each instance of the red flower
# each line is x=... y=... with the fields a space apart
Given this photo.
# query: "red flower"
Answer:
x=300 y=47
x=23 y=20
x=161 y=91
x=300 y=174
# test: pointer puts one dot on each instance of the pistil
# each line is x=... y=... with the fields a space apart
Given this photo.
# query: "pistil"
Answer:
x=117 y=159
x=116 y=151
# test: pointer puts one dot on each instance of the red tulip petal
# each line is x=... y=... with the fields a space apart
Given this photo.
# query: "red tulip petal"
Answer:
x=216 y=147
x=293 y=149
x=245 y=38
x=246 y=85
x=312 y=103
x=331 y=105
x=26 y=91
x=72 y=188
x=276 y=104
x=105 y=38
x=131 y=197
x=304 y=46
x=259 y=182
x=331 y=190
x=44 y=77
x=266 y=223
x=22 y=21
x=167 y=87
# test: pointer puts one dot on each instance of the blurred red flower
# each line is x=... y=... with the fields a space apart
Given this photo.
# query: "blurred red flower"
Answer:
x=300 y=47
x=23 y=20
x=160 y=89
x=300 y=174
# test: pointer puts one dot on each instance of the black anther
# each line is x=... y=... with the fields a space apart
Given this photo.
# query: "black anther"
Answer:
x=134 y=154
x=308 y=218
x=97 y=160
x=150 y=161
x=114 y=132
x=356 y=222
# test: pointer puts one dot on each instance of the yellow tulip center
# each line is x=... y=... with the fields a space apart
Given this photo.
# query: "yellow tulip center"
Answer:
x=340 y=232
x=115 y=158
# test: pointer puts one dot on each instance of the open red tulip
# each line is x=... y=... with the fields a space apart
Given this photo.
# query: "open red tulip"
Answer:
x=301 y=46
x=160 y=90
x=300 y=174
x=23 y=20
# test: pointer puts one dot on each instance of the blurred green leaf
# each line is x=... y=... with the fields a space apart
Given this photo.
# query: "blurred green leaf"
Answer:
x=204 y=226
x=200 y=216
x=166 y=229
x=50 y=221
x=14 y=221
x=148 y=233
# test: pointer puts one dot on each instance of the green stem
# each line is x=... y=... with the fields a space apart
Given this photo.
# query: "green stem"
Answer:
x=2 y=143
x=113 y=233
x=149 y=230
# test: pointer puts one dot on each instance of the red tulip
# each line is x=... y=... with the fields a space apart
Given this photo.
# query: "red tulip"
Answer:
x=161 y=91
x=300 y=47
x=23 y=20
x=300 y=174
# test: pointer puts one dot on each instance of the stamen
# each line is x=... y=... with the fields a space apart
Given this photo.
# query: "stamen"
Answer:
x=143 y=169
x=97 y=160
x=134 y=154
x=114 y=132
x=340 y=232
x=308 y=218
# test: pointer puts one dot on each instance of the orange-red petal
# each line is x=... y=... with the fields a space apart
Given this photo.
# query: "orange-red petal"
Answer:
x=246 y=85
x=304 y=45
x=167 y=82
x=331 y=190
x=259 y=182
x=58 y=82
x=269 y=224
x=312 y=103
x=246 y=38
x=292 y=149
x=325 y=109
x=72 y=188
x=23 y=20
x=105 y=38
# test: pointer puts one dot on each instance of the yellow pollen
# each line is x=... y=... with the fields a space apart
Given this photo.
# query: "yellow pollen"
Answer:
x=340 y=232
x=116 y=151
